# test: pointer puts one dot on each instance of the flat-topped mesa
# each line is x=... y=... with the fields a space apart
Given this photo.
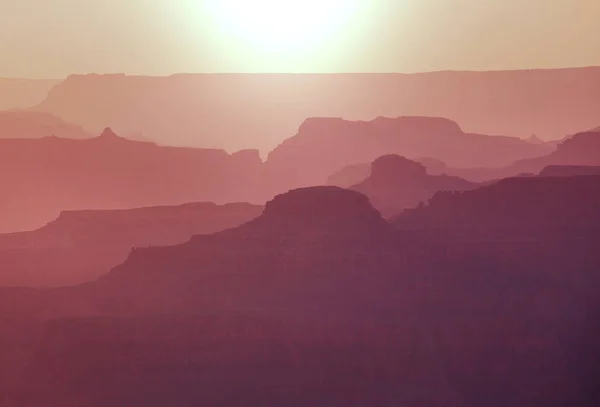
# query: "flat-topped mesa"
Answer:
x=403 y=123
x=251 y=156
x=420 y=123
x=324 y=206
x=136 y=220
x=93 y=215
x=312 y=124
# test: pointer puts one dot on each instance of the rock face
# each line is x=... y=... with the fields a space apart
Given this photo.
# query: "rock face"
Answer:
x=537 y=238
x=562 y=202
x=291 y=309
x=288 y=291
x=80 y=246
x=19 y=124
x=315 y=230
x=53 y=174
x=323 y=146
x=231 y=111
x=325 y=206
x=397 y=183
x=356 y=173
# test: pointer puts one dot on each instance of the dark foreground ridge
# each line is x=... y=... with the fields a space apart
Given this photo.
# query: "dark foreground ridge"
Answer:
x=319 y=301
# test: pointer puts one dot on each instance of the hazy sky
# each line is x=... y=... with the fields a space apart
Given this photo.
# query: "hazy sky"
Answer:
x=54 y=38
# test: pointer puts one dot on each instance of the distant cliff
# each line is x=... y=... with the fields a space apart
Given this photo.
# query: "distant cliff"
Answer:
x=236 y=111
x=581 y=149
x=40 y=178
x=326 y=145
x=80 y=246
x=397 y=183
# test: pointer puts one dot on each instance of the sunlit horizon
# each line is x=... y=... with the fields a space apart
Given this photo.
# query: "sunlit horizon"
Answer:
x=158 y=38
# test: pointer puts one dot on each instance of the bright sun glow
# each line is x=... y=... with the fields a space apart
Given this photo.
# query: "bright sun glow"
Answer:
x=283 y=25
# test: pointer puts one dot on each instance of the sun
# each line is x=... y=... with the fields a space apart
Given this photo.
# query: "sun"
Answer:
x=283 y=25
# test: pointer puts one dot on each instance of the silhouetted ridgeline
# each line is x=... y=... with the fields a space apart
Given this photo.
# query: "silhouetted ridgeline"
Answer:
x=356 y=173
x=517 y=204
x=40 y=178
x=326 y=145
x=581 y=149
x=577 y=154
x=397 y=183
x=293 y=258
x=82 y=245
x=517 y=223
x=54 y=174
x=235 y=111
x=320 y=301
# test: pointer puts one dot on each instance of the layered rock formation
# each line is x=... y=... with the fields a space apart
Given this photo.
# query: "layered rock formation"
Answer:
x=515 y=205
x=324 y=146
x=581 y=149
x=41 y=178
x=237 y=111
x=82 y=245
x=397 y=183
x=319 y=300
x=356 y=173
